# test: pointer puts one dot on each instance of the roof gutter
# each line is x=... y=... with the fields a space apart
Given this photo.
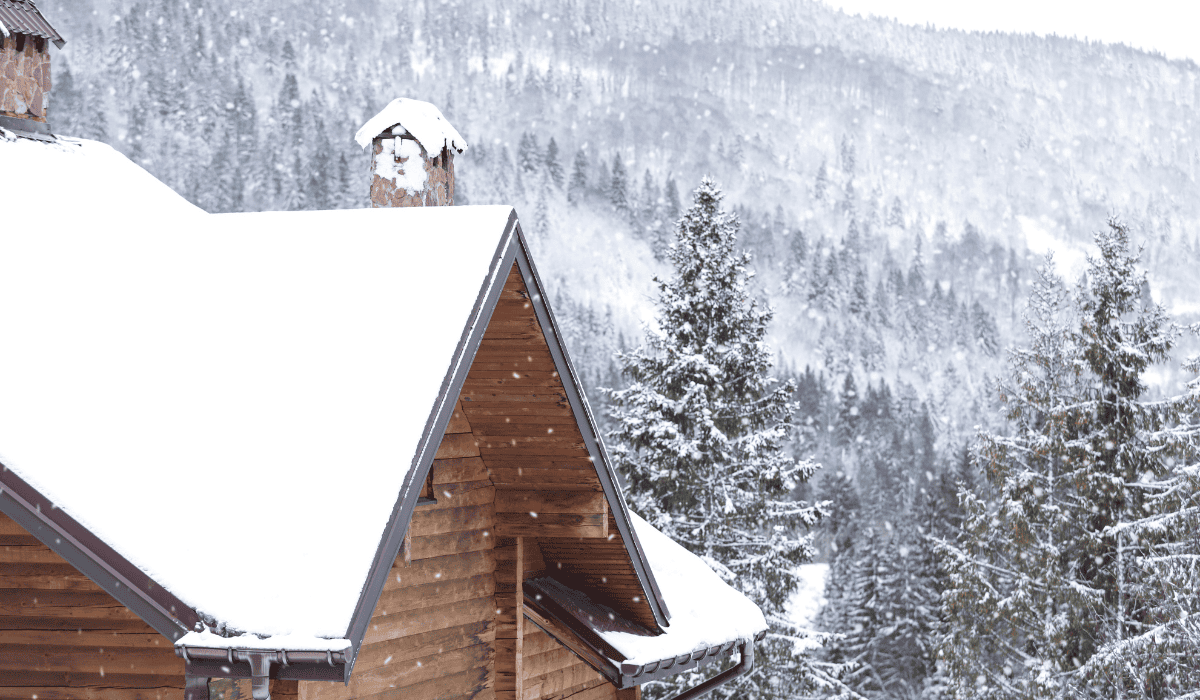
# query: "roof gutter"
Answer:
x=744 y=666
x=261 y=665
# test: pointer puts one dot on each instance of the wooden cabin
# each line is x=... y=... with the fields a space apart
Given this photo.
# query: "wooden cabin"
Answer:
x=321 y=455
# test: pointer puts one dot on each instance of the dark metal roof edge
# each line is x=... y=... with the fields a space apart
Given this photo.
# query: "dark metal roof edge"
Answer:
x=213 y=668
x=53 y=36
x=591 y=436
x=439 y=418
x=94 y=558
x=27 y=128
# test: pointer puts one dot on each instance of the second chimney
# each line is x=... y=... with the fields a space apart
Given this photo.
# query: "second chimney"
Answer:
x=412 y=155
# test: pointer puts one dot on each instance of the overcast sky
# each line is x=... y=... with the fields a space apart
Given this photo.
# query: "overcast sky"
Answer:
x=1168 y=26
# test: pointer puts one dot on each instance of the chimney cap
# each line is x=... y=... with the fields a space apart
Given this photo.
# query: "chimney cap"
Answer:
x=421 y=119
x=23 y=17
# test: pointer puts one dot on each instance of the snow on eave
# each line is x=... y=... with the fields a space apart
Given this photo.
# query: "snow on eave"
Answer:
x=707 y=611
x=284 y=642
x=3 y=29
x=421 y=119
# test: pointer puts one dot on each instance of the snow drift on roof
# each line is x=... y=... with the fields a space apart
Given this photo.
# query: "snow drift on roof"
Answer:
x=705 y=611
x=232 y=402
x=423 y=120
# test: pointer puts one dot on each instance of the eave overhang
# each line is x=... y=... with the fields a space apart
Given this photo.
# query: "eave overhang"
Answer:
x=576 y=623
x=70 y=540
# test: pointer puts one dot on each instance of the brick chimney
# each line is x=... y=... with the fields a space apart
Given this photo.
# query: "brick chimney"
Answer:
x=412 y=155
x=25 y=66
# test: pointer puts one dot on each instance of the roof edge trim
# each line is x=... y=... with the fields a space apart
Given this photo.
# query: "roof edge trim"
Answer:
x=435 y=426
x=591 y=436
x=94 y=558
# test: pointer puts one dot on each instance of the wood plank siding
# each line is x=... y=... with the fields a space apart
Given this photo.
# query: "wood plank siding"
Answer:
x=63 y=638
x=530 y=441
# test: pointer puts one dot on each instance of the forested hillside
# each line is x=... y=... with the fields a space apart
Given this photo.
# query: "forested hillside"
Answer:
x=897 y=186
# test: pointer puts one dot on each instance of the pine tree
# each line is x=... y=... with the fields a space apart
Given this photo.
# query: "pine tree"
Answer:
x=529 y=154
x=821 y=184
x=618 y=189
x=847 y=424
x=579 y=182
x=1016 y=624
x=986 y=335
x=848 y=157
x=671 y=195
x=1053 y=590
x=859 y=296
x=700 y=433
x=1123 y=332
x=554 y=171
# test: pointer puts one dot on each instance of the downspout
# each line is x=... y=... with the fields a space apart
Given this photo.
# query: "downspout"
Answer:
x=744 y=666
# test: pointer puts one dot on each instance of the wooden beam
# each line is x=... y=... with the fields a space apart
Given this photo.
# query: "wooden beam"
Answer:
x=519 y=602
x=567 y=638
x=536 y=501
x=590 y=525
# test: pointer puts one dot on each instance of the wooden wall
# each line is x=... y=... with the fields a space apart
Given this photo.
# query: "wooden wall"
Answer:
x=530 y=441
x=553 y=672
x=62 y=637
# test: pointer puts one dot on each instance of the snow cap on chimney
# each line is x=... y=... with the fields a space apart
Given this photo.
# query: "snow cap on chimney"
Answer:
x=412 y=162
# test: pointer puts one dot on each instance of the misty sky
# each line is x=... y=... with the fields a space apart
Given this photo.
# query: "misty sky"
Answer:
x=1167 y=26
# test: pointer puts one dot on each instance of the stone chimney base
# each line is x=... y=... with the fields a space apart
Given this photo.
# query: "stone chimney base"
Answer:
x=403 y=174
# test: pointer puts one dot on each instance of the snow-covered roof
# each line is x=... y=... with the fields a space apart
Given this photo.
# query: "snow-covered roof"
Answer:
x=705 y=611
x=421 y=119
x=159 y=383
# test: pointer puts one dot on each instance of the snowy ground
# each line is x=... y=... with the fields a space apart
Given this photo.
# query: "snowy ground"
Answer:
x=809 y=597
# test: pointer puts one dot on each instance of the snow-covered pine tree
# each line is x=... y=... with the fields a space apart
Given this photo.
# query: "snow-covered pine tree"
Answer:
x=821 y=184
x=618 y=188
x=1056 y=576
x=554 y=171
x=1135 y=446
x=1016 y=610
x=700 y=435
x=1165 y=646
x=579 y=181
